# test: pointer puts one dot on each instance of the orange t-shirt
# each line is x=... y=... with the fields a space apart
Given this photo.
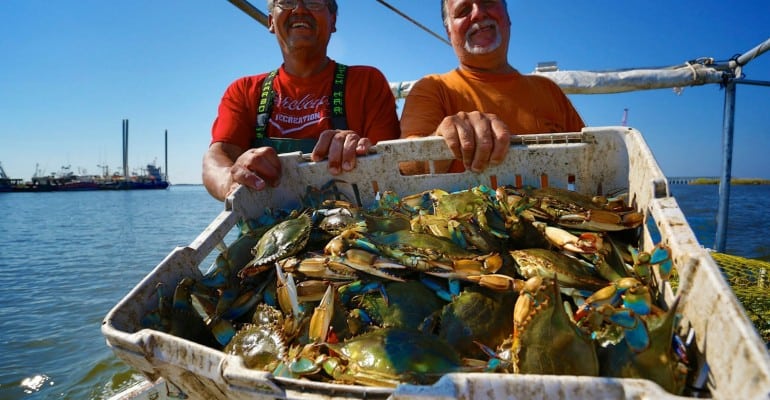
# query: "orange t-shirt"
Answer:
x=301 y=106
x=526 y=103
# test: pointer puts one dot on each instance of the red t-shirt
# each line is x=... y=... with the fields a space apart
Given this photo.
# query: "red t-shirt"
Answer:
x=301 y=106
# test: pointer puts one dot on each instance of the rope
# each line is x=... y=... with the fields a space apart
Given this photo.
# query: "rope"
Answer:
x=419 y=25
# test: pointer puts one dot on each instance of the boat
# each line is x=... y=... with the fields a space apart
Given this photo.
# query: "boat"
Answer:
x=66 y=180
x=6 y=183
x=153 y=179
x=690 y=74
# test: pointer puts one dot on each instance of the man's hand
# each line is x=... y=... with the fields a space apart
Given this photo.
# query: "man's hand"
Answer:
x=478 y=139
x=256 y=168
x=340 y=147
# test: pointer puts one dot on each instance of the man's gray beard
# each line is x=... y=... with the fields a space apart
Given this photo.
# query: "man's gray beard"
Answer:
x=487 y=49
x=483 y=50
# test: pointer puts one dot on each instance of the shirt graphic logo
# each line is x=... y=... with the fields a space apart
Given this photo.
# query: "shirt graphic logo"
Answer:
x=292 y=115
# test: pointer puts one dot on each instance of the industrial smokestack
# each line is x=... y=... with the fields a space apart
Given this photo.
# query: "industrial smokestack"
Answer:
x=165 y=146
x=125 y=150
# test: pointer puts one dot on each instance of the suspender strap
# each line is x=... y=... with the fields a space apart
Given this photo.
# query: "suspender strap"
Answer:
x=265 y=108
x=287 y=145
x=338 y=97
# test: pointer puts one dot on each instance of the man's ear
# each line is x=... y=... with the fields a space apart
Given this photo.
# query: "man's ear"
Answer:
x=270 y=26
x=334 y=23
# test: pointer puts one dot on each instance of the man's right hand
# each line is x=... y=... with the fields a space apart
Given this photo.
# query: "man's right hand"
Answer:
x=257 y=168
x=478 y=139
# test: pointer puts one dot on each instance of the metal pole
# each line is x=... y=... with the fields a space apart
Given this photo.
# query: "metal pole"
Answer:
x=251 y=11
x=419 y=25
x=728 y=128
x=165 y=146
x=753 y=82
x=125 y=149
x=744 y=58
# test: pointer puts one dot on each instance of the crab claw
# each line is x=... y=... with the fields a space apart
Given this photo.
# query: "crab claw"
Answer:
x=498 y=282
x=635 y=330
x=661 y=256
x=322 y=316
x=358 y=287
x=287 y=293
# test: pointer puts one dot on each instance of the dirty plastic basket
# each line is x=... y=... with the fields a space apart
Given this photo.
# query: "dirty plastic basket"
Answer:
x=596 y=160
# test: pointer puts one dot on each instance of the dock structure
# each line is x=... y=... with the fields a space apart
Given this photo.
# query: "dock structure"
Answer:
x=686 y=180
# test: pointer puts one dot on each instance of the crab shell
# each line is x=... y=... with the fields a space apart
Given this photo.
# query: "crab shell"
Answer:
x=545 y=341
x=283 y=240
x=392 y=355
x=658 y=362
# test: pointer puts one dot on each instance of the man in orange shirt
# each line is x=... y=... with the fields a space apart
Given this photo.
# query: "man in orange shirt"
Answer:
x=477 y=106
x=304 y=105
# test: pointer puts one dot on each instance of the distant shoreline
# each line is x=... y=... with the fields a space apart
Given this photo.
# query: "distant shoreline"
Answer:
x=734 y=181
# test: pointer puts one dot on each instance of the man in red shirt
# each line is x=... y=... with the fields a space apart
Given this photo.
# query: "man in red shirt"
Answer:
x=477 y=106
x=310 y=103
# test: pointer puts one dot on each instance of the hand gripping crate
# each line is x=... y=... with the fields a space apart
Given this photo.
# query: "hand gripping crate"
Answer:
x=594 y=160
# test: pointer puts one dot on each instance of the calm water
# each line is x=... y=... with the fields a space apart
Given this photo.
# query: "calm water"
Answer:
x=67 y=258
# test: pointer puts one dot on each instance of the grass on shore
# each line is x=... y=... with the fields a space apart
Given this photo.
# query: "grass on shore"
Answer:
x=734 y=181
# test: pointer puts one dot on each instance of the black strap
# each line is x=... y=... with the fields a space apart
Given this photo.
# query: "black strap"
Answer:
x=286 y=145
x=265 y=108
x=337 y=101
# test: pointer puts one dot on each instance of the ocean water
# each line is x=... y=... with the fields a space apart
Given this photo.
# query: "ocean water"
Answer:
x=67 y=258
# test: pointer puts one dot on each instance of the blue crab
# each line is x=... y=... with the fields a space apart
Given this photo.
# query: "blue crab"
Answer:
x=390 y=356
x=262 y=343
x=476 y=316
x=578 y=211
x=425 y=252
x=545 y=340
x=618 y=310
x=575 y=278
x=285 y=239
x=468 y=217
x=398 y=304
x=658 y=362
x=178 y=316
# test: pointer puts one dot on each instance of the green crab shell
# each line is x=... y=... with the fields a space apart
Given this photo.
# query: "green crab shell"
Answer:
x=548 y=342
x=406 y=245
x=476 y=315
x=260 y=346
x=282 y=240
x=657 y=363
x=409 y=304
x=403 y=354
x=546 y=263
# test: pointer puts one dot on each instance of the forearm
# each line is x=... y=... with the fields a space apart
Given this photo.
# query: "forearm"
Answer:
x=216 y=174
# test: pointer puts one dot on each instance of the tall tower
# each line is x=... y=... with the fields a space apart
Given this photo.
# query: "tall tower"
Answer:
x=624 y=122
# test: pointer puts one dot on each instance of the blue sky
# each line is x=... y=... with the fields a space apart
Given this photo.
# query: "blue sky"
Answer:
x=71 y=71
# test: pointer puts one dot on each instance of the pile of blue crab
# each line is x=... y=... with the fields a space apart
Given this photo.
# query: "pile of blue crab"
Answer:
x=505 y=280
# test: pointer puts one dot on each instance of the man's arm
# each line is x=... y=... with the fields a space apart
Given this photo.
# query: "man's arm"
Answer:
x=226 y=165
x=217 y=162
x=476 y=139
x=421 y=116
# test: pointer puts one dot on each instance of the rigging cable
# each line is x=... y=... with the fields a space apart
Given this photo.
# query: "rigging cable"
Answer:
x=419 y=25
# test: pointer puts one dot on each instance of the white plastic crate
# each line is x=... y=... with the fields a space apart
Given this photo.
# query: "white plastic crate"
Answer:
x=595 y=160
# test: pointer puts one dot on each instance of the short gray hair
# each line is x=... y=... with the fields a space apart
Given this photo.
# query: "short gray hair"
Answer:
x=445 y=14
x=331 y=3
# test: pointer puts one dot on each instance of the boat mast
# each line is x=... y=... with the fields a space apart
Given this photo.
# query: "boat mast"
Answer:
x=125 y=150
x=165 y=146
